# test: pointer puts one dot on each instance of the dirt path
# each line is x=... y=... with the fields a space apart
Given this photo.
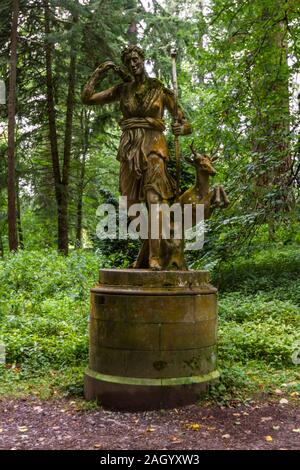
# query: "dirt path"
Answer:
x=62 y=424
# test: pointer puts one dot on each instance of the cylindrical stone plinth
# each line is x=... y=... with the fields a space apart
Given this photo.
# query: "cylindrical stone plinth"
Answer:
x=152 y=338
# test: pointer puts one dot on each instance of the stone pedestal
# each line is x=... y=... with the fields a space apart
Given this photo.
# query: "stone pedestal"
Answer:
x=152 y=338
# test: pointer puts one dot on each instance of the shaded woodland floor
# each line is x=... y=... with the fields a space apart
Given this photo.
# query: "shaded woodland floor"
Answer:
x=31 y=423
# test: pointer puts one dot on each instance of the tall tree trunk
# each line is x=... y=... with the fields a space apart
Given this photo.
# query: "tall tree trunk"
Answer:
x=19 y=222
x=61 y=179
x=52 y=127
x=271 y=124
x=132 y=32
x=82 y=160
x=78 y=242
x=200 y=45
x=67 y=151
x=11 y=184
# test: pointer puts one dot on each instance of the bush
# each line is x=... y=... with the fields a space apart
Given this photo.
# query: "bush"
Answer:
x=262 y=271
x=44 y=308
x=269 y=341
x=260 y=307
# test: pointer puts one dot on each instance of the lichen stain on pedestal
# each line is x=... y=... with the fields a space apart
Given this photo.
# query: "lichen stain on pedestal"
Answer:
x=152 y=339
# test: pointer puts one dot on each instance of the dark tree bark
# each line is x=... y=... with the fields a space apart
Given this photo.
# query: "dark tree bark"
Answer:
x=61 y=178
x=11 y=183
x=271 y=88
x=19 y=222
x=81 y=182
x=78 y=242
x=52 y=126
x=67 y=153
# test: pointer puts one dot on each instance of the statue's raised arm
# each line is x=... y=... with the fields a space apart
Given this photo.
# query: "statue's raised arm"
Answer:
x=109 y=95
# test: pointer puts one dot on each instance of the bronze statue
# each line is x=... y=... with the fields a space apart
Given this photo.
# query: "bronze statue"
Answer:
x=143 y=148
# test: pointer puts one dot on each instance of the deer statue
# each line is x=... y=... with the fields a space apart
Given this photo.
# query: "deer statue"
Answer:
x=201 y=192
x=172 y=249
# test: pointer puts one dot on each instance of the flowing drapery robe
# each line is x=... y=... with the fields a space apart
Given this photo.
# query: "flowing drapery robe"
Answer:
x=143 y=149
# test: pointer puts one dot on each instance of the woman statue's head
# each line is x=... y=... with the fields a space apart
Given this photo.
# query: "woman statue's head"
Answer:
x=133 y=58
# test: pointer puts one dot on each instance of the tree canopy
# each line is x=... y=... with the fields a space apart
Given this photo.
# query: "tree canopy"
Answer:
x=238 y=70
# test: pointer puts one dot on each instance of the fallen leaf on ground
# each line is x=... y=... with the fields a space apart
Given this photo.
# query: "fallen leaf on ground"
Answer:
x=269 y=438
x=22 y=428
x=175 y=439
x=150 y=429
x=193 y=426
x=97 y=445
x=296 y=430
x=39 y=409
x=276 y=428
x=266 y=418
x=283 y=401
x=226 y=436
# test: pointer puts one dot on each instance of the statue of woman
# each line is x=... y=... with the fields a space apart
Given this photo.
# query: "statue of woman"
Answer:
x=143 y=148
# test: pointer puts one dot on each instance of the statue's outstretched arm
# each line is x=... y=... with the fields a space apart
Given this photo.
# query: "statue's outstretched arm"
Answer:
x=181 y=123
x=88 y=96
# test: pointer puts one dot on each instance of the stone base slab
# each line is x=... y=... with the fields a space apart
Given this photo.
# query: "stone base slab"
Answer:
x=132 y=394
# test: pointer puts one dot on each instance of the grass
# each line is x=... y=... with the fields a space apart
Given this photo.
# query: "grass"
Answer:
x=259 y=323
x=44 y=307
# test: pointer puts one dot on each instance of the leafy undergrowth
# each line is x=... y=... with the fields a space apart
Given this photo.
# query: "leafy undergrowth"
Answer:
x=44 y=307
x=259 y=323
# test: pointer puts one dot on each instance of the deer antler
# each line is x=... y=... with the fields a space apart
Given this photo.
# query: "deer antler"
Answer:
x=193 y=148
x=190 y=161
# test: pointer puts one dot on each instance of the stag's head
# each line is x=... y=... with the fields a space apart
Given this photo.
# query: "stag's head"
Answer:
x=201 y=162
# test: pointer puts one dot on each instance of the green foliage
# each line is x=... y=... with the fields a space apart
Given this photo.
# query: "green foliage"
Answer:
x=260 y=306
x=44 y=308
x=237 y=63
x=268 y=341
x=259 y=321
x=232 y=383
x=264 y=269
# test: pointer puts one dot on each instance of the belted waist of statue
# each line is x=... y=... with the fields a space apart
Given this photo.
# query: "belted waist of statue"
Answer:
x=137 y=143
x=142 y=123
